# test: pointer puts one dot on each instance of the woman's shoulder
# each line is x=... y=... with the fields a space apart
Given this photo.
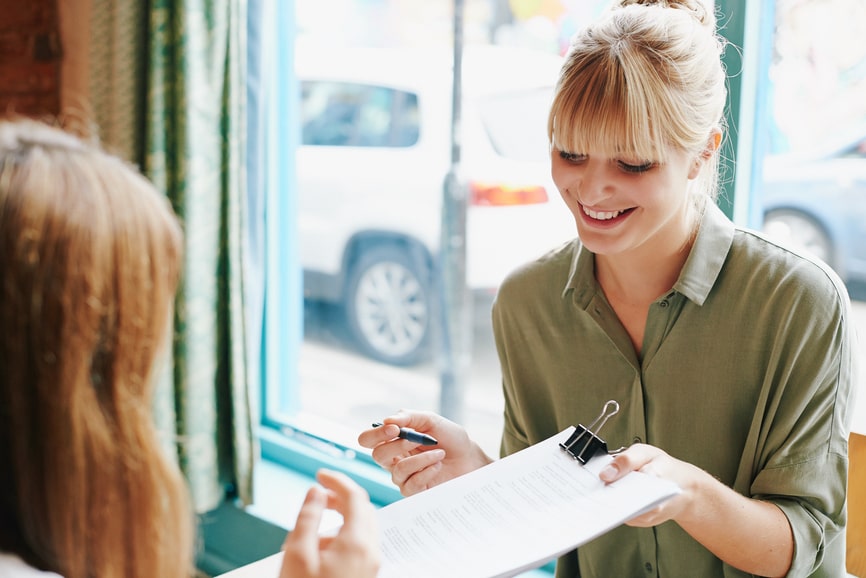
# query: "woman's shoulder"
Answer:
x=11 y=566
x=552 y=270
x=773 y=266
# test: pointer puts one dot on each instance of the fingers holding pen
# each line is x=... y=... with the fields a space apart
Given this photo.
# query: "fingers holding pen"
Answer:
x=376 y=435
x=416 y=467
x=419 y=472
x=396 y=426
x=413 y=436
x=412 y=466
x=401 y=436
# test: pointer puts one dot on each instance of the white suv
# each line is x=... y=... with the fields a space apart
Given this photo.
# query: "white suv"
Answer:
x=374 y=155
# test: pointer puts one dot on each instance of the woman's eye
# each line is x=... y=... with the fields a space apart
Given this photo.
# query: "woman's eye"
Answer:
x=571 y=157
x=639 y=168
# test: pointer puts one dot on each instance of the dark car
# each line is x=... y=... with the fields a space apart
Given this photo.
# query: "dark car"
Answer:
x=817 y=201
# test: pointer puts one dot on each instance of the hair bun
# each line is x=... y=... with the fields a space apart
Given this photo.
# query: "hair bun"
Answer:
x=700 y=9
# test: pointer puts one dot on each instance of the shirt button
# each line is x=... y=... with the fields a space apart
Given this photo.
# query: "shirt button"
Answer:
x=649 y=567
x=636 y=440
x=663 y=304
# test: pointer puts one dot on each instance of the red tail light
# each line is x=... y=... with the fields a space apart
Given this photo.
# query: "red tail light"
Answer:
x=499 y=195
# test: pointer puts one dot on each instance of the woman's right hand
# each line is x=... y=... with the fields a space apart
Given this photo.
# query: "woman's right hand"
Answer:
x=415 y=468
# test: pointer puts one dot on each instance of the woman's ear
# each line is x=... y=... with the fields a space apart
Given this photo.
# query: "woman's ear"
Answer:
x=713 y=144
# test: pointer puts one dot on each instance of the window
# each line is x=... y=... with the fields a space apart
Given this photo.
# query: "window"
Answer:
x=373 y=157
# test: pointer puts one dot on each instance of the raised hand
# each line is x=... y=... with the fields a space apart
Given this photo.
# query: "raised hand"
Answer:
x=354 y=551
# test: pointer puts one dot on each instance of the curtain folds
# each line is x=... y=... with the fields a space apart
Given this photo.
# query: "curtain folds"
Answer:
x=117 y=72
x=195 y=152
x=168 y=87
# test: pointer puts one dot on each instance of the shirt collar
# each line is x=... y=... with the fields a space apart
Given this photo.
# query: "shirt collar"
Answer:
x=581 y=276
x=709 y=252
x=707 y=257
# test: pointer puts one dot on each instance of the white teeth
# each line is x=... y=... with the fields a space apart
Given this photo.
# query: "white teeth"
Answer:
x=601 y=215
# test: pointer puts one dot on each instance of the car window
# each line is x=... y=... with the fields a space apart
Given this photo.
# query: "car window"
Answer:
x=855 y=151
x=348 y=114
x=516 y=121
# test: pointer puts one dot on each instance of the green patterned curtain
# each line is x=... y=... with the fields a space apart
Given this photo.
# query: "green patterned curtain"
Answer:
x=167 y=86
x=194 y=151
x=117 y=66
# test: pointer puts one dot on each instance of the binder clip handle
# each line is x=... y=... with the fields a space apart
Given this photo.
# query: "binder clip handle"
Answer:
x=584 y=443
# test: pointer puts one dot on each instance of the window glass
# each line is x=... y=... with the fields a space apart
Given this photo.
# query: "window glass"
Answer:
x=516 y=124
x=813 y=191
x=376 y=155
x=348 y=114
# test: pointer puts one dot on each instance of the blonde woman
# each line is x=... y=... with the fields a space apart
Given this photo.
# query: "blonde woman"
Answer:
x=90 y=257
x=730 y=356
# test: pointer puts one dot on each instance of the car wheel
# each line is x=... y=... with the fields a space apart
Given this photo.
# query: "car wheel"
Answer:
x=799 y=231
x=388 y=305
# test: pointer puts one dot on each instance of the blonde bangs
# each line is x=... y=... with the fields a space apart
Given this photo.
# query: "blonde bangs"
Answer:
x=602 y=107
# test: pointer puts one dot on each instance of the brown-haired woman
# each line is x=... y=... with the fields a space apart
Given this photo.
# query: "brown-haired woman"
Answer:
x=90 y=256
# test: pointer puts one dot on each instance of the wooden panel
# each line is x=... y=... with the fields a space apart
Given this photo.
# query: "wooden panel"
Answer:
x=30 y=58
x=856 y=538
x=19 y=15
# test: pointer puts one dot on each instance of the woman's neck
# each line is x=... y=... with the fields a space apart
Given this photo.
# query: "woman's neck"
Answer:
x=641 y=276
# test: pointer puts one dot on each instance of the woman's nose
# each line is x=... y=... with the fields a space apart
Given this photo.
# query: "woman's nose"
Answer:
x=591 y=185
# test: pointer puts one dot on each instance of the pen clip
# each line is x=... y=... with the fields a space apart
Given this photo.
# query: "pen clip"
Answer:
x=584 y=443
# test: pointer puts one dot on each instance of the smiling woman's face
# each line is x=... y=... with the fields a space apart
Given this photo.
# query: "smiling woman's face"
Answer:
x=623 y=204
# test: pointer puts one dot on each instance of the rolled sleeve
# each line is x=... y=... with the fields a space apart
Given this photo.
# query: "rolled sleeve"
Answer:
x=817 y=516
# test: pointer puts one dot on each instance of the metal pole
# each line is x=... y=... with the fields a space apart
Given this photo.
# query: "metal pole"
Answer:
x=456 y=317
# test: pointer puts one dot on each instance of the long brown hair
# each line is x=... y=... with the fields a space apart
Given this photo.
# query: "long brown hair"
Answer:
x=90 y=255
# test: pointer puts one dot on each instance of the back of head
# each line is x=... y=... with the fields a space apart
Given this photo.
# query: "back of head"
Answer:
x=647 y=76
x=90 y=255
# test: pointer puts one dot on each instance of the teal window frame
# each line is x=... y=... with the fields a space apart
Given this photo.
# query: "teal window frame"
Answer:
x=283 y=314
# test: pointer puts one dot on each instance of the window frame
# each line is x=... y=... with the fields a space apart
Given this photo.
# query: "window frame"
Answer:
x=282 y=330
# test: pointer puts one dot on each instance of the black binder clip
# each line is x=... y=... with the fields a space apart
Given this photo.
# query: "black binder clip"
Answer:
x=583 y=444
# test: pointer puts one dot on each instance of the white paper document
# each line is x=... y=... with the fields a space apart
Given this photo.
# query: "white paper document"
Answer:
x=513 y=515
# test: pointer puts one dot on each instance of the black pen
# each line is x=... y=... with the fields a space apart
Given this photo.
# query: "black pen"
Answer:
x=414 y=436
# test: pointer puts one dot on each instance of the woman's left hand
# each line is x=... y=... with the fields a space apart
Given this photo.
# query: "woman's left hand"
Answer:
x=655 y=462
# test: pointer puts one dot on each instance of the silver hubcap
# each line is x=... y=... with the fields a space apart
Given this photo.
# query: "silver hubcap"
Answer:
x=391 y=310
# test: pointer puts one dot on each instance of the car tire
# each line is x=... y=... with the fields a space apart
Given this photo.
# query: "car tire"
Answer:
x=388 y=304
x=801 y=232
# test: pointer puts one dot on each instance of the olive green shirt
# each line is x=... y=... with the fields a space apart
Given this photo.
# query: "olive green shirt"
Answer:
x=746 y=372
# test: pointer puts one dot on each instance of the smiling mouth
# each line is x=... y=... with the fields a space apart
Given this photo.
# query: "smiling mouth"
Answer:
x=603 y=215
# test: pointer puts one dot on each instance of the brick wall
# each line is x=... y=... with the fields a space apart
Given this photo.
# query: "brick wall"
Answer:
x=30 y=57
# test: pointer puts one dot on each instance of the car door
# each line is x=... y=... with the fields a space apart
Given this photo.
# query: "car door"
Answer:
x=362 y=169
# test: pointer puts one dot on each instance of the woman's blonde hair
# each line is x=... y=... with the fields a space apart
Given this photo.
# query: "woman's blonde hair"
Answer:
x=90 y=257
x=646 y=77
